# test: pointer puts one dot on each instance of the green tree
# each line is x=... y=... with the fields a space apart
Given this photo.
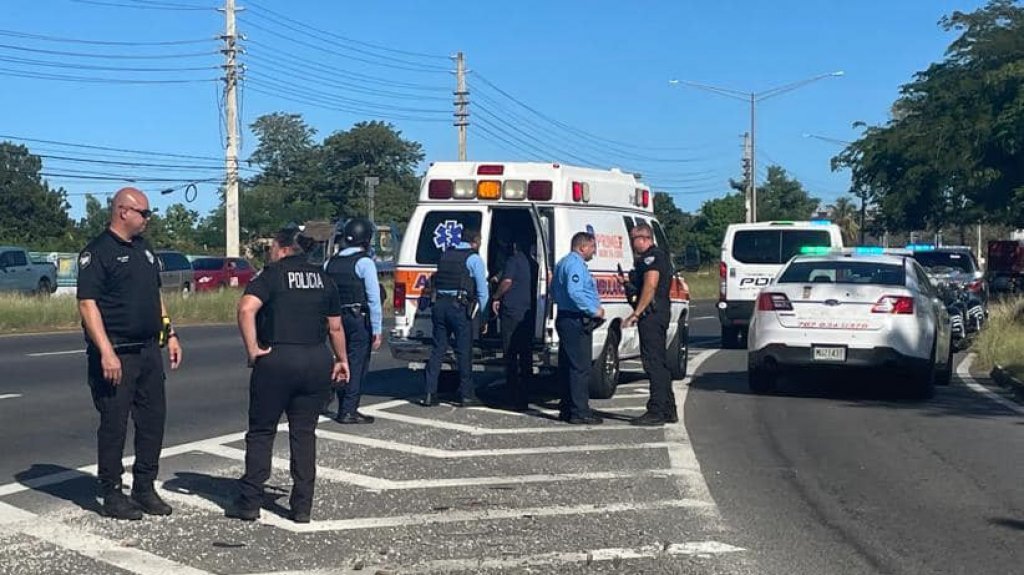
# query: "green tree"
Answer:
x=783 y=198
x=845 y=214
x=675 y=222
x=32 y=214
x=179 y=224
x=953 y=151
x=715 y=216
x=96 y=219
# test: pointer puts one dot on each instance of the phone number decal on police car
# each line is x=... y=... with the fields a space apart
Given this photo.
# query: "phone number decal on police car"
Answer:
x=827 y=324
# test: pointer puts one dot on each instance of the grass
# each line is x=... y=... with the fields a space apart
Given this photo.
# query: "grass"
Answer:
x=1002 y=340
x=22 y=314
x=703 y=286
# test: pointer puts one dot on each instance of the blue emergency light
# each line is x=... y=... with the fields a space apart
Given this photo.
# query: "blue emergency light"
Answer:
x=821 y=222
x=921 y=247
x=869 y=250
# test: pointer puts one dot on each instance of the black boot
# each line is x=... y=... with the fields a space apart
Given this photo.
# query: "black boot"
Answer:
x=429 y=400
x=241 y=510
x=116 y=505
x=150 y=502
x=649 y=419
x=350 y=418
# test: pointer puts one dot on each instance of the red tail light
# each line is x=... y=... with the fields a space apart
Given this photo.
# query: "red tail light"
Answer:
x=723 y=271
x=646 y=198
x=894 y=304
x=975 y=286
x=773 y=302
x=539 y=190
x=577 y=192
x=399 y=299
x=439 y=189
x=490 y=170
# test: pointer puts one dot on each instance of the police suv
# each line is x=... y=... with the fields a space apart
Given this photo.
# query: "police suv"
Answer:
x=752 y=255
x=851 y=309
x=545 y=204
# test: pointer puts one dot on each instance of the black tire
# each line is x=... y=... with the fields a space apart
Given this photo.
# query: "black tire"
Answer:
x=679 y=351
x=730 y=337
x=604 y=373
x=761 y=381
x=922 y=384
x=44 y=288
x=945 y=377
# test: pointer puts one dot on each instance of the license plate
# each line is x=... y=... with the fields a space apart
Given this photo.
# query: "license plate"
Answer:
x=829 y=354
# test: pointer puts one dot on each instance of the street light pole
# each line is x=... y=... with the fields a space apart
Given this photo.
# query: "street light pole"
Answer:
x=753 y=98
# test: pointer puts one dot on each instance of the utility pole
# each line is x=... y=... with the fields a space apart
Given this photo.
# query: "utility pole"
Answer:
x=230 y=51
x=371 y=187
x=748 y=176
x=752 y=207
x=461 y=103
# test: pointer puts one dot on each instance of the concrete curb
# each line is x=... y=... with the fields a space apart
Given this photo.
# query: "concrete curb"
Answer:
x=1005 y=379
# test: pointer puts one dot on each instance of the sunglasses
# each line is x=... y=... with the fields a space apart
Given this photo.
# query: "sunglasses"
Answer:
x=146 y=213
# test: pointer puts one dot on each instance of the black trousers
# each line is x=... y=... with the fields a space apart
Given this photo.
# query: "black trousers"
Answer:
x=574 y=350
x=449 y=318
x=140 y=394
x=653 y=330
x=296 y=380
x=358 y=344
x=516 y=343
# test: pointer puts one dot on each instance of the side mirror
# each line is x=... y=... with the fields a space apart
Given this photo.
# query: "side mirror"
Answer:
x=691 y=259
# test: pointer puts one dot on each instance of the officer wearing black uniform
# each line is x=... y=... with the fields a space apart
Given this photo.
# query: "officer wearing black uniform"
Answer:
x=355 y=274
x=285 y=315
x=123 y=318
x=514 y=305
x=460 y=297
x=652 y=279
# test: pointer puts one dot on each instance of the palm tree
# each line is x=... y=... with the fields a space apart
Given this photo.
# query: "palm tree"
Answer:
x=844 y=213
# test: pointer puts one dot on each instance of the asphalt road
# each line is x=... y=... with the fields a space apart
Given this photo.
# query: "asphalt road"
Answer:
x=827 y=477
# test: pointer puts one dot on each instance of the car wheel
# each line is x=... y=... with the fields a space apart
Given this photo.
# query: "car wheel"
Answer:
x=762 y=381
x=679 y=351
x=922 y=385
x=730 y=337
x=945 y=376
x=43 y=290
x=604 y=373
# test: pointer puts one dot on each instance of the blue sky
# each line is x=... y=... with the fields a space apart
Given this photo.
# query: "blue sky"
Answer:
x=597 y=70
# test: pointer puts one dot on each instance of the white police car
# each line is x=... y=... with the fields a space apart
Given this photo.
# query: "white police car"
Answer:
x=849 y=309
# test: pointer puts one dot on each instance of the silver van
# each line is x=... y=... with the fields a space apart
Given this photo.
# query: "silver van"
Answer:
x=175 y=272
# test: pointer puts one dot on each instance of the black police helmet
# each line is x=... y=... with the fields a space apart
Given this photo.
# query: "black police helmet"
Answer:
x=357 y=232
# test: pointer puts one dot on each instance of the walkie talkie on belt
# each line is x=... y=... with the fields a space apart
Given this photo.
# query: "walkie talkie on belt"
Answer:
x=632 y=294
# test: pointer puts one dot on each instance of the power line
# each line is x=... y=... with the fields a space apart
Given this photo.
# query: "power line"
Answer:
x=58 y=39
x=123 y=178
x=337 y=37
x=144 y=6
x=97 y=80
x=320 y=103
x=48 y=64
x=324 y=79
x=287 y=86
x=300 y=61
x=408 y=67
x=130 y=164
x=109 y=56
x=107 y=148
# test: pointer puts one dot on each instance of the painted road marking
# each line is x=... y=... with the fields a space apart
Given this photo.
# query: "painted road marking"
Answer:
x=10 y=396
x=51 y=353
x=963 y=371
x=680 y=452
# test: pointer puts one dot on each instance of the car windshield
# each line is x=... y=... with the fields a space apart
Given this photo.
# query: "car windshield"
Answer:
x=945 y=262
x=844 y=272
x=207 y=264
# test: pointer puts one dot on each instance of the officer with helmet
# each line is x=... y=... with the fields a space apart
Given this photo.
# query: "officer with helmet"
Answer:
x=355 y=275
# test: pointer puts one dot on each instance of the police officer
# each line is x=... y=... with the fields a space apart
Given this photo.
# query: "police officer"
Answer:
x=460 y=294
x=575 y=294
x=652 y=279
x=513 y=304
x=355 y=275
x=123 y=317
x=284 y=317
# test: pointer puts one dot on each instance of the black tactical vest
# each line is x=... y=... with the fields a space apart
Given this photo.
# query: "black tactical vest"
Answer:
x=296 y=311
x=351 y=288
x=452 y=273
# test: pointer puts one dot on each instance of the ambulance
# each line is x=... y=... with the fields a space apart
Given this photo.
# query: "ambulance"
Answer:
x=545 y=204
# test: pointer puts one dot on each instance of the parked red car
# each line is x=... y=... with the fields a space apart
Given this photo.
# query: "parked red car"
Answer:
x=220 y=273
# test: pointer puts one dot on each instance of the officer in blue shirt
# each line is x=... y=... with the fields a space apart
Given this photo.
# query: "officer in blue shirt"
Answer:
x=575 y=294
x=355 y=275
x=459 y=289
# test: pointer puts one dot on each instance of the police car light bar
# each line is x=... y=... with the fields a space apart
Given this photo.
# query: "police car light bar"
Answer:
x=921 y=247
x=821 y=222
x=815 y=250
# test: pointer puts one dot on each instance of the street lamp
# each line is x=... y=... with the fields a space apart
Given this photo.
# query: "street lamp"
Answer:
x=753 y=98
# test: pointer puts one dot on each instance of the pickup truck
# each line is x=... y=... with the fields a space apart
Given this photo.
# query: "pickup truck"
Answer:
x=20 y=274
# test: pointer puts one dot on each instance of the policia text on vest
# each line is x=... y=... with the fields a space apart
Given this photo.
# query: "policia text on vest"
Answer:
x=285 y=316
